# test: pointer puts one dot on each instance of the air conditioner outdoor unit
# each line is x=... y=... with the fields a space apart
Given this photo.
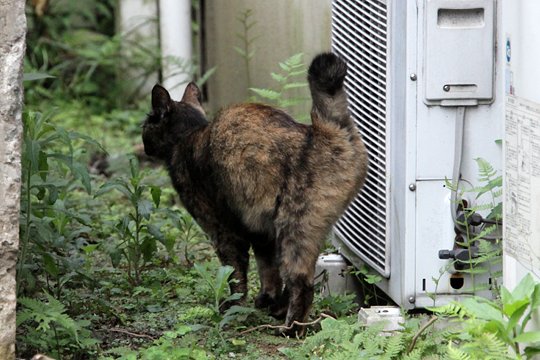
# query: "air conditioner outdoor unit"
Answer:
x=417 y=71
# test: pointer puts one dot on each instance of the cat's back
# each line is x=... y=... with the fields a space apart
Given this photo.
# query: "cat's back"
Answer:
x=252 y=147
x=252 y=119
x=255 y=133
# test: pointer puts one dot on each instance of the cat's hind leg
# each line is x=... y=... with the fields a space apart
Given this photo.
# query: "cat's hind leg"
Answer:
x=265 y=251
x=300 y=244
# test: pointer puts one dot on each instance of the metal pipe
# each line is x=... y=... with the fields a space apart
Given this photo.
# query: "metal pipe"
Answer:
x=176 y=45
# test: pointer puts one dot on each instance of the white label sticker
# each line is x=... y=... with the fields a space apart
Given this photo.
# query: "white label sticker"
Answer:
x=522 y=181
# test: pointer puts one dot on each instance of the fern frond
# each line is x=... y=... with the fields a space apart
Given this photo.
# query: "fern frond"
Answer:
x=457 y=354
x=453 y=309
x=394 y=346
x=485 y=169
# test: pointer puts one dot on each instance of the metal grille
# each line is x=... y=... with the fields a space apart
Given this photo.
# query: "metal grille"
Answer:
x=359 y=35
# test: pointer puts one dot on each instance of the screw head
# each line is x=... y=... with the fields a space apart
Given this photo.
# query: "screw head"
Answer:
x=412 y=187
x=446 y=88
x=411 y=299
x=413 y=76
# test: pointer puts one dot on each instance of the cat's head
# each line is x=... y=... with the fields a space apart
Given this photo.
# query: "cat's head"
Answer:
x=171 y=121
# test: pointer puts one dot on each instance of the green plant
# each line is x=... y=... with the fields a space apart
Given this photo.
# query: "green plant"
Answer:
x=139 y=236
x=191 y=237
x=172 y=345
x=490 y=328
x=47 y=328
x=368 y=282
x=291 y=77
x=246 y=49
x=479 y=226
x=347 y=339
x=338 y=305
x=53 y=234
x=487 y=256
x=219 y=284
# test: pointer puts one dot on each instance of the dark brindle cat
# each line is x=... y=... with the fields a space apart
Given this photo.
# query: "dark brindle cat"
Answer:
x=254 y=177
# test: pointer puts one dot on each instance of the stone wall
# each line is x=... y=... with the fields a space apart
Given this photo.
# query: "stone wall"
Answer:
x=12 y=46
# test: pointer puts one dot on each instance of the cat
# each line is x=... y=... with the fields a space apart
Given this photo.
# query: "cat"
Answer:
x=254 y=177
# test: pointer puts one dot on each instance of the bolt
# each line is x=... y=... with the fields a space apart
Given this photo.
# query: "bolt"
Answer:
x=412 y=187
x=411 y=299
x=446 y=88
x=413 y=76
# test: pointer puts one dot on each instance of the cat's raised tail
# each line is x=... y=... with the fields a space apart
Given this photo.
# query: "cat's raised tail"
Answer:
x=326 y=75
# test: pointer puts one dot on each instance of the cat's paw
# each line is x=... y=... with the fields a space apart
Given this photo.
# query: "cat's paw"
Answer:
x=279 y=311
x=264 y=300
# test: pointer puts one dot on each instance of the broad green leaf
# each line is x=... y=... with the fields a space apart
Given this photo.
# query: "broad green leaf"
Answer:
x=156 y=195
x=535 y=297
x=527 y=337
x=515 y=316
x=506 y=296
x=234 y=297
x=221 y=282
x=50 y=265
x=532 y=350
x=88 y=249
x=118 y=185
x=525 y=288
x=510 y=308
x=74 y=135
x=116 y=257
x=36 y=76
x=43 y=165
x=145 y=207
x=134 y=167
x=53 y=195
x=156 y=233
x=482 y=309
x=81 y=172
x=148 y=248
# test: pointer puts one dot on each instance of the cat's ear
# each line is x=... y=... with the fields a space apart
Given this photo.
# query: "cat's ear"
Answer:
x=192 y=96
x=161 y=100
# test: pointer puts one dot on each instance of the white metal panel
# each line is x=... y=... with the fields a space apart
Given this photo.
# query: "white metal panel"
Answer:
x=521 y=53
x=459 y=49
x=416 y=142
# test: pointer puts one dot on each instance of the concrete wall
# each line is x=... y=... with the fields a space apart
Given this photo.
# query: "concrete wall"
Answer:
x=12 y=46
x=283 y=27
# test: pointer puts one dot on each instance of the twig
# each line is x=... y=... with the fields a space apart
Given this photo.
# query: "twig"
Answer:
x=285 y=327
x=122 y=331
x=420 y=331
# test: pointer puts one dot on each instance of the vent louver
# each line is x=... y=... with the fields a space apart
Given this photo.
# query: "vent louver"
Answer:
x=359 y=35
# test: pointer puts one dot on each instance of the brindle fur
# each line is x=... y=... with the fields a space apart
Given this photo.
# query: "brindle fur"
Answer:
x=254 y=177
